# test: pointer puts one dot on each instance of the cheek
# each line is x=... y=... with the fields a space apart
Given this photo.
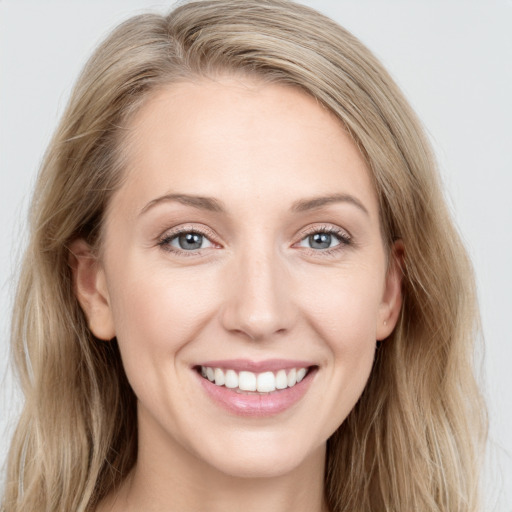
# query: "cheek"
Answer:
x=344 y=320
x=152 y=299
x=347 y=310
x=349 y=332
x=156 y=313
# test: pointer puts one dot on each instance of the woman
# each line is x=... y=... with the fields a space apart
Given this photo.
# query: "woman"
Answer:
x=243 y=288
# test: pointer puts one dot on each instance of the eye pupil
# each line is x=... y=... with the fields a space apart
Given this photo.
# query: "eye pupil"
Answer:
x=320 y=240
x=190 y=241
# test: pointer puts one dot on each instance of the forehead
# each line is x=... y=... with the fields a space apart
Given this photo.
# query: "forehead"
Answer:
x=241 y=138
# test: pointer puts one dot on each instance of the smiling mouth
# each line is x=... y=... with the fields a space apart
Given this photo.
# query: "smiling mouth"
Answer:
x=246 y=382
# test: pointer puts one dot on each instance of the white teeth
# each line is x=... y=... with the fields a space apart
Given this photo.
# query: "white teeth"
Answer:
x=231 y=379
x=292 y=378
x=301 y=373
x=219 y=377
x=247 y=381
x=281 y=380
x=265 y=382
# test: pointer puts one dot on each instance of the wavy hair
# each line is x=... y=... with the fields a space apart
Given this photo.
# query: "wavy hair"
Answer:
x=414 y=440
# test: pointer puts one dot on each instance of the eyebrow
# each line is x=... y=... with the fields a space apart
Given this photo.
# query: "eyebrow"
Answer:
x=214 y=205
x=202 y=203
x=317 y=202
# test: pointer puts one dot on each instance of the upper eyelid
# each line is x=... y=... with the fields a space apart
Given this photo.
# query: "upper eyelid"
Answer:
x=185 y=228
x=325 y=228
x=201 y=230
x=214 y=238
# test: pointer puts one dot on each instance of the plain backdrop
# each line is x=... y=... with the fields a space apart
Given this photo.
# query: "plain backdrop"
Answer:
x=453 y=59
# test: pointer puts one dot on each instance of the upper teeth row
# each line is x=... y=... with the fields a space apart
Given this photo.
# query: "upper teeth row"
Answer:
x=265 y=382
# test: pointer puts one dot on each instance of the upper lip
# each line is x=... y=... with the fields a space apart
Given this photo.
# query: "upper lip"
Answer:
x=248 y=365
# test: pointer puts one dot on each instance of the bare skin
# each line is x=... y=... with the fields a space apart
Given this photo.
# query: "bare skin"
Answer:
x=247 y=229
x=300 y=490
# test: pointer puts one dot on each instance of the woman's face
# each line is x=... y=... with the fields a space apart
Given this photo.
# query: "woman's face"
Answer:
x=245 y=245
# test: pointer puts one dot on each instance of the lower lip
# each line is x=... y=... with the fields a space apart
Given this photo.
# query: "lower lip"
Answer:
x=257 y=405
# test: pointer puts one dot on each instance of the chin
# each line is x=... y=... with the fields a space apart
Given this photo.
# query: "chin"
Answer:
x=257 y=467
x=263 y=458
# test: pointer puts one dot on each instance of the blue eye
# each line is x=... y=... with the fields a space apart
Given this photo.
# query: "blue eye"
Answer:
x=190 y=240
x=187 y=241
x=322 y=240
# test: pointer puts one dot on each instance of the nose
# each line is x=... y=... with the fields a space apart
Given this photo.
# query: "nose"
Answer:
x=259 y=303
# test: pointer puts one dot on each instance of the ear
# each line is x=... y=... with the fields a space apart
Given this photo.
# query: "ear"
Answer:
x=391 y=304
x=90 y=287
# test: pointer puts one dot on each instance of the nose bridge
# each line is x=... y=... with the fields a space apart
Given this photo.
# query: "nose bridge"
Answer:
x=258 y=303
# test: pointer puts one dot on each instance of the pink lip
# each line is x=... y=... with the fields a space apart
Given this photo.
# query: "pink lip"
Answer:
x=269 y=365
x=257 y=405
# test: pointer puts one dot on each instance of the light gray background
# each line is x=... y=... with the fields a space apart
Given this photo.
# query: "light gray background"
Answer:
x=453 y=60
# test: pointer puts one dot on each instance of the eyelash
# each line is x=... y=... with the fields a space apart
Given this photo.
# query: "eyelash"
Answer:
x=344 y=238
x=165 y=241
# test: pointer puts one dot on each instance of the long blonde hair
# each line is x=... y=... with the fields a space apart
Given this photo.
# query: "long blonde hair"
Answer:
x=414 y=440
